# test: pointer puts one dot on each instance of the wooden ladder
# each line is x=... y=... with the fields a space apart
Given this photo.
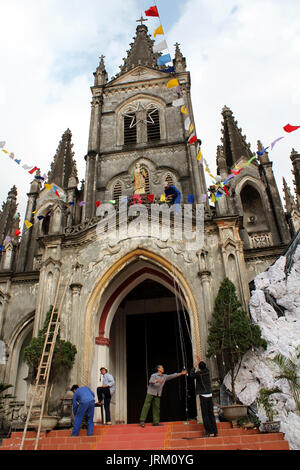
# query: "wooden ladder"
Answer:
x=43 y=373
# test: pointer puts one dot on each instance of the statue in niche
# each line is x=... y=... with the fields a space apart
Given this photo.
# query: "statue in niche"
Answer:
x=139 y=179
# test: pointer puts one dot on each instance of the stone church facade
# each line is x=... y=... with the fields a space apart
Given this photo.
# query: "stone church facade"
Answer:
x=133 y=121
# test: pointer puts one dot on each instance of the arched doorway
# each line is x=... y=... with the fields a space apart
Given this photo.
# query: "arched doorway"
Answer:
x=104 y=308
x=150 y=329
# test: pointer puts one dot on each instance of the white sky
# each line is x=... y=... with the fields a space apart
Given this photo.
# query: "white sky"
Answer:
x=242 y=53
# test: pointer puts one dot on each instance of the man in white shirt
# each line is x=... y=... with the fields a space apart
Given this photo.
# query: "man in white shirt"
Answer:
x=105 y=392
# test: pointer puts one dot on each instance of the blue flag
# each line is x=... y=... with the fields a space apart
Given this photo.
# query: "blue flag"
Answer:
x=191 y=198
x=164 y=59
x=169 y=70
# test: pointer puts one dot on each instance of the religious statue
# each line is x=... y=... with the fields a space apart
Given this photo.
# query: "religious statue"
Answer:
x=139 y=179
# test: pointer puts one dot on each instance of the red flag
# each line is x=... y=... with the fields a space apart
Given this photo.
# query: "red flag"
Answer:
x=33 y=170
x=57 y=193
x=289 y=128
x=226 y=191
x=97 y=203
x=152 y=11
x=236 y=172
x=17 y=233
x=150 y=197
x=193 y=139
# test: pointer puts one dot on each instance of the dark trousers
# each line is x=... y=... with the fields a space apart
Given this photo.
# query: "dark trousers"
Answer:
x=103 y=393
x=207 y=410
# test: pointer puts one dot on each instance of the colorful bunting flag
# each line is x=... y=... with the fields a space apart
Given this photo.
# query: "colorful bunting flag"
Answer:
x=152 y=11
x=158 y=30
x=187 y=123
x=168 y=70
x=275 y=142
x=184 y=110
x=160 y=47
x=151 y=197
x=33 y=170
x=163 y=198
x=172 y=83
x=203 y=197
x=28 y=224
x=260 y=153
x=17 y=233
x=191 y=198
x=164 y=59
x=191 y=128
x=40 y=217
x=1 y=247
x=82 y=203
x=5 y=151
x=199 y=156
x=26 y=167
x=7 y=239
x=289 y=128
x=226 y=190
x=17 y=161
x=2 y=144
x=192 y=139
x=12 y=155
x=98 y=204
x=112 y=201
x=48 y=186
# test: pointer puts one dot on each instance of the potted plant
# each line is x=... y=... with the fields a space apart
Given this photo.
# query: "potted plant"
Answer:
x=62 y=361
x=267 y=403
x=231 y=335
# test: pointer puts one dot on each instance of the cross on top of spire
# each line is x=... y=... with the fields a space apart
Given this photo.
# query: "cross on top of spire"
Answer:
x=141 y=20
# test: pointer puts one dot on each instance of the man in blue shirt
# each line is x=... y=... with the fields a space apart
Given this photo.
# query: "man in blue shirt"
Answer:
x=173 y=196
x=105 y=392
x=83 y=402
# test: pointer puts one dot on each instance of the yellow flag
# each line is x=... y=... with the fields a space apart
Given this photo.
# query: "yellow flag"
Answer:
x=213 y=197
x=28 y=224
x=172 y=83
x=34 y=212
x=48 y=186
x=158 y=30
x=184 y=110
x=199 y=156
x=191 y=128
x=5 y=151
x=163 y=198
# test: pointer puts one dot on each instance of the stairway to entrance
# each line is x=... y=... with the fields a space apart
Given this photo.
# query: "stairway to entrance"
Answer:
x=170 y=436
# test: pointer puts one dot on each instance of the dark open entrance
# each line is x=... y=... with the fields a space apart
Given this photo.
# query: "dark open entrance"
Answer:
x=158 y=338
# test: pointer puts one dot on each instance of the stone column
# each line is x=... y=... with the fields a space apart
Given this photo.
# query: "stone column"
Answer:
x=74 y=330
x=88 y=210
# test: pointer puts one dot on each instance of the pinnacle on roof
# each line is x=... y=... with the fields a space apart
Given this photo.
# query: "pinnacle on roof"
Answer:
x=63 y=165
x=234 y=142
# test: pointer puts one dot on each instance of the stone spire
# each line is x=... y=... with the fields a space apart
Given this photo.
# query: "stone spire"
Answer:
x=179 y=62
x=141 y=51
x=9 y=218
x=234 y=143
x=221 y=162
x=100 y=75
x=288 y=198
x=295 y=158
x=63 y=165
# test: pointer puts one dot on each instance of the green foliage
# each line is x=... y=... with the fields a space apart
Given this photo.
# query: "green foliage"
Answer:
x=288 y=369
x=63 y=355
x=231 y=333
x=248 y=419
x=267 y=403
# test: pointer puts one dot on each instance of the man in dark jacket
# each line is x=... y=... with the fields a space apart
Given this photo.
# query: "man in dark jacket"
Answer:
x=203 y=389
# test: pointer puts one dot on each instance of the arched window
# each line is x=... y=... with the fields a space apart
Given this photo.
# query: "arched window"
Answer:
x=253 y=210
x=129 y=128
x=117 y=191
x=153 y=125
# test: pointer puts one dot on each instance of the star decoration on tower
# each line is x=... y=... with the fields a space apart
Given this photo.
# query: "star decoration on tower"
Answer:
x=132 y=110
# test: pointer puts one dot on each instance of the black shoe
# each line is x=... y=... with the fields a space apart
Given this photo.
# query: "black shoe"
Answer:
x=142 y=424
x=157 y=424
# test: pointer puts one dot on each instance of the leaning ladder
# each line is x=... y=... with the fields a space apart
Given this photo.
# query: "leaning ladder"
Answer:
x=44 y=367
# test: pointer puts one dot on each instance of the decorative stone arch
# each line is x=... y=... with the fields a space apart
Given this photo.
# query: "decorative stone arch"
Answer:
x=163 y=269
x=139 y=103
x=262 y=222
x=15 y=369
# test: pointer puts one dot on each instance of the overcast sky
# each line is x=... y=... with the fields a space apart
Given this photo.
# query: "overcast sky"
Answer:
x=241 y=53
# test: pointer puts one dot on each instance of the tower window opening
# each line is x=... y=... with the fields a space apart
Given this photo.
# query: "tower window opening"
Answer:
x=130 y=129
x=153 y=125
x=117 y=192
